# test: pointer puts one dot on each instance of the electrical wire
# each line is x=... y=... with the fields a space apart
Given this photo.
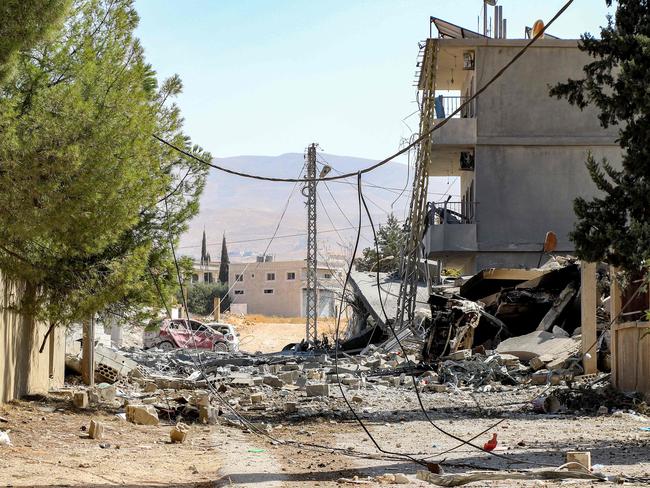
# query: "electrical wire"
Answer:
x=422 y=137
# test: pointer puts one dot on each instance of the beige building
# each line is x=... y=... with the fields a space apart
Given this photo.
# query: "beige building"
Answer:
x=277 y=288
x=205 y=273
x=518 y=153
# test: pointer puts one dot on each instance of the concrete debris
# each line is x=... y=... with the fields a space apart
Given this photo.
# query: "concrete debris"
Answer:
x=5 y=440
x=142 y=414
x=178 y=434
x=80 y=399
x=96 y=430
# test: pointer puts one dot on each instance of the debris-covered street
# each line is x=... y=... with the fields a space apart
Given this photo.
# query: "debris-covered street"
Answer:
x=195 y=293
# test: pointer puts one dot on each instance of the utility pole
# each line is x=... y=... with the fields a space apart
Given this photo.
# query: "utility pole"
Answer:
x=309 y=191
x=88 y=352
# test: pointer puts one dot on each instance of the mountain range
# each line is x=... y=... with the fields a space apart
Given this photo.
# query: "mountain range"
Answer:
x=248 y=210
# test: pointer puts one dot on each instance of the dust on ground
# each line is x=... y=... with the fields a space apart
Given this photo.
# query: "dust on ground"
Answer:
x=271 y=334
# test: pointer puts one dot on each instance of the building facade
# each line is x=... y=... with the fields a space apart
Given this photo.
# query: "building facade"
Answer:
x=518 y=153
x=277 y=288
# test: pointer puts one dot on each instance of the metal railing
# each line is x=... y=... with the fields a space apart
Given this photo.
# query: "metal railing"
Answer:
x=446 y=105
x=452 y=213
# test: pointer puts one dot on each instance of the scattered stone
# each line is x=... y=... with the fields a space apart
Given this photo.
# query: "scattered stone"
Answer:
x=208 y=415
x=150 y=387
x=273 y=381
x=142 y=414
x=578 y=460
x=603 y=410
x=291 y=407
x=318 y=389
x=80 y=399
x=96 y=430
x=460 y=355
x=357 y=399
x=106 y=392
x=256 y=398
x=179 y=432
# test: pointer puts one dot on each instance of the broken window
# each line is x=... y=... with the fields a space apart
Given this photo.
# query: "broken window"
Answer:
x=239 y=292
x=327 y=275
x=269 y=291
x=207 y=277
x=270 y=276
x=239 y=277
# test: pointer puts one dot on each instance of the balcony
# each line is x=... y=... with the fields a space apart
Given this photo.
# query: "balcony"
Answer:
x=451 y=228
x=458 y=135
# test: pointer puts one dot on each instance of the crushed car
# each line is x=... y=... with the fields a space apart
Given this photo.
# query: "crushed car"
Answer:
x=192 y=334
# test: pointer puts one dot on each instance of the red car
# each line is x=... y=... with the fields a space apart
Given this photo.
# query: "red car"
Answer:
x=190 y=335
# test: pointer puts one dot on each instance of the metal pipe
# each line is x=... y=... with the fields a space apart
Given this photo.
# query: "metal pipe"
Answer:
x=505 y=31
x=484 y=18
x=496 y=22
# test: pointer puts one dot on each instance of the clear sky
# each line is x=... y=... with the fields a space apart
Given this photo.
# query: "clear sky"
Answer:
x=267 y=77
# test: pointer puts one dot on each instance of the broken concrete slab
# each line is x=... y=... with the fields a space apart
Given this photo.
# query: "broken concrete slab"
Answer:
x=273 y=381
x=208 y=415
x=318 y=389
x=142 y=414
x=537 y=343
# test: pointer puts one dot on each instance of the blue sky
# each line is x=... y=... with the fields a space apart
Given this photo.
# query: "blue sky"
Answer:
x=270 y=77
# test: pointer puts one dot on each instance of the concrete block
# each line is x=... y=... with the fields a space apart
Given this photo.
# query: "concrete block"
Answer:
x=150 y=387
x=582 y=458
x=142 y=414
x=536 y=363
x=273 y=381
x=96 y=430
x=540 y=377
x=208 y=415
x=179 y=432
x=80 y=399
x=460 y=355
x=290 y=367
x=288 y=376
x=318 y=389
x=256 y=398
x=291 y=407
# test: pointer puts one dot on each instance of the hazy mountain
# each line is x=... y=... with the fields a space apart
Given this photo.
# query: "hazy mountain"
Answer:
x=248 y=210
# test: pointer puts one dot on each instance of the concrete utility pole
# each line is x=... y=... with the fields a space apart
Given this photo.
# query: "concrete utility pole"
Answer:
x=88 y=352
x=309 y=191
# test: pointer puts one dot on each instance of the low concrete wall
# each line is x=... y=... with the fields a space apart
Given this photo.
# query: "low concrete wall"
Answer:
x=23 y=370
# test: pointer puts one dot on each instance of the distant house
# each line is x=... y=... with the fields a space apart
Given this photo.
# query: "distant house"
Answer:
x=518 y=153
x=277 y=288
x=205 y=273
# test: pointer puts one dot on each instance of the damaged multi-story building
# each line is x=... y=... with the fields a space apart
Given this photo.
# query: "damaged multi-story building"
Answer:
x=519 y=153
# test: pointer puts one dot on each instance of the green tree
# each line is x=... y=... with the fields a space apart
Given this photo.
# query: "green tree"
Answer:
x=615 y=226
x=200 y=297
x=25 y=22
x=224 y=264
x=90 y=200
x=390 y=240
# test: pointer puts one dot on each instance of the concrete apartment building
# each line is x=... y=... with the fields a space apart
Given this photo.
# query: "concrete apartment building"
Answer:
x=277 y=288
x=519 y=154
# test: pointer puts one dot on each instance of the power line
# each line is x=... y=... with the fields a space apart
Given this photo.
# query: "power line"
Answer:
x=285 y=236
x=378 y=164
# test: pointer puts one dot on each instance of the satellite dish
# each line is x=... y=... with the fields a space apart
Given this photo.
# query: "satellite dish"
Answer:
x=491 y=3
x=550 y=242
x=538 y=26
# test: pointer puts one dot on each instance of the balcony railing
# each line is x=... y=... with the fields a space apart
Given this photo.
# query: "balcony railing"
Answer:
x=446 y=105
x=452 y=213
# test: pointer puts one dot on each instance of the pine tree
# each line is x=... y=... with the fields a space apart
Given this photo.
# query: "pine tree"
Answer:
x=23 y=23
x=615 y=226
x=224 y=265
x=390 y=240
x=90 y=200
